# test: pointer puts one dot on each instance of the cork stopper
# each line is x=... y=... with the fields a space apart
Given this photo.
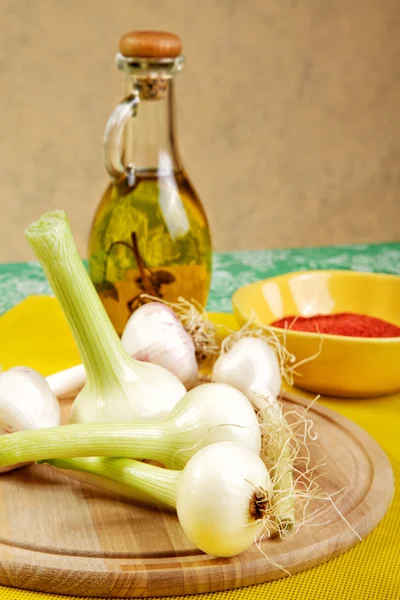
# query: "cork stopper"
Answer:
x=150 y=44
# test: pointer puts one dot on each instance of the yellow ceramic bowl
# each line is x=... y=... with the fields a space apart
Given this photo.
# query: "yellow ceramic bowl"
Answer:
x=346 y=366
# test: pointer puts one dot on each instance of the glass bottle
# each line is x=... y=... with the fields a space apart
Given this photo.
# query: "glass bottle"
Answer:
x=150 y=234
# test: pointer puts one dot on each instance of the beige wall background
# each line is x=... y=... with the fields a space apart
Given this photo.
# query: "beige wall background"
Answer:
x=288 y=114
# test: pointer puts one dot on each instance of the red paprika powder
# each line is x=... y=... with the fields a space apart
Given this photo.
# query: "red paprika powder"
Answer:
x=348 y=324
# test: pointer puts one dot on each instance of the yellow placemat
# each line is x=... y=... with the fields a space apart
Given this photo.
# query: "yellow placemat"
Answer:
x=35 y=334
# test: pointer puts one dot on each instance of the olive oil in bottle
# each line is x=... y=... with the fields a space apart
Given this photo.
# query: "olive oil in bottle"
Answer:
x=150 y=235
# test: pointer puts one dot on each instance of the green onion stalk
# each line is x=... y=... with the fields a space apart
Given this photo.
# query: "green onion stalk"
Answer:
x=118 y=388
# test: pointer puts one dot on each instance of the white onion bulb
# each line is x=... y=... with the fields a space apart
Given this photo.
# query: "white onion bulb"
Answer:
x=216 y=498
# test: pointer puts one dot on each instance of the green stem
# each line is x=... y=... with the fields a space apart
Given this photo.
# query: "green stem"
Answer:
x=130 y=478
x=102 y=352
x=143 y=440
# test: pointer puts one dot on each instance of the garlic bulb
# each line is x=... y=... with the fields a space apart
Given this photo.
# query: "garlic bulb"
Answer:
x=26 y=402
x=251 y=366
x=154 y=334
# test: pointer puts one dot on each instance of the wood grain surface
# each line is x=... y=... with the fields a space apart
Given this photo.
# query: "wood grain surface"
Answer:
x=62 y=536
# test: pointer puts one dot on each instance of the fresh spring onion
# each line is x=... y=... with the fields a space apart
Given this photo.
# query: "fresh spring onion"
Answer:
x=152 y=334
x=252 y=366
x=26 y=402
x=222 y=496
x=207 y=414
x=118 y=388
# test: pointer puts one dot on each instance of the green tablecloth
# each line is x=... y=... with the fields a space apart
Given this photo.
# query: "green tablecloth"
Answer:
x=230 y=269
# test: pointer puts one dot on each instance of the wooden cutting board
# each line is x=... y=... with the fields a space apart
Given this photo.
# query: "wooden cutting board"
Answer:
x=59 y=535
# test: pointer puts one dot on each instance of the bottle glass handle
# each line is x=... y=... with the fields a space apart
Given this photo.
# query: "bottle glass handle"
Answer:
x=114 y=138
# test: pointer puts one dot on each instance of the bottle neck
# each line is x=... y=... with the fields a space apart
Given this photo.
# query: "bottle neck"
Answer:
x=150 y=144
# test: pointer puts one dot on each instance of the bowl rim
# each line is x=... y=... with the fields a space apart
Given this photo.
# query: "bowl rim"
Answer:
x=331 y=336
